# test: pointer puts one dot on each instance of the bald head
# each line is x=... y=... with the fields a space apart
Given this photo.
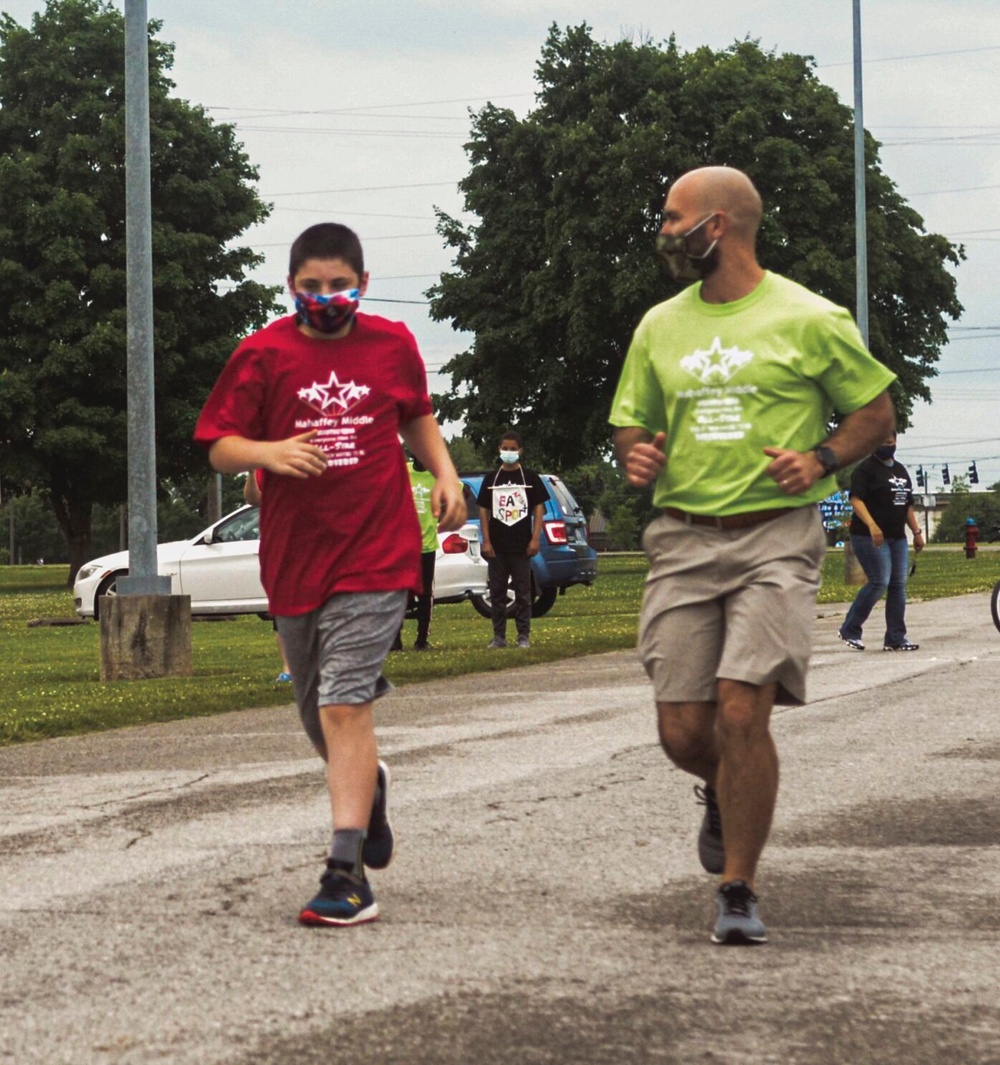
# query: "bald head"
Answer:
x=725 y=189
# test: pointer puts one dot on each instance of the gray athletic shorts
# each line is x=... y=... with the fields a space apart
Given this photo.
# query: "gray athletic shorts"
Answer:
x=732 y=604
x=336 y=652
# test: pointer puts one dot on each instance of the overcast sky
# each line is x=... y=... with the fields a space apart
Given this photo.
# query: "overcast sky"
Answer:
x=357 y=112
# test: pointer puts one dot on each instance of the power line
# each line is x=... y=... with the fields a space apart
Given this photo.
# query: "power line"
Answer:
x=375 y=299
x=380 y=107
x=356 y=214
x=414 y=134
x=916 y=55
x=941 y=192
x=367 y=240
x=360 y=188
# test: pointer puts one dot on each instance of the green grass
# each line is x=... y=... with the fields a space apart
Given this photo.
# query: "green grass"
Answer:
x=51 y=675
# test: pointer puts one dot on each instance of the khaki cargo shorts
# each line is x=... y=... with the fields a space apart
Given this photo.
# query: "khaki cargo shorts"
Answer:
x=730 y=604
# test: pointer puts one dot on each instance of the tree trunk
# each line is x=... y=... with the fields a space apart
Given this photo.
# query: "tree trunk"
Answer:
x=853 y=573
x=74 y=520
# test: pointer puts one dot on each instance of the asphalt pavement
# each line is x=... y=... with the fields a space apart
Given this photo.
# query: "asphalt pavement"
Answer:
x=546 y=903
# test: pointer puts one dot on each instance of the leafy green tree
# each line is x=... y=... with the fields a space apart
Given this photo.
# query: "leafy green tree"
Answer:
x=36 y=535
x=62 y=260
x=558 y=267
x=983 y=506
x=601 y=486
x=466 y=455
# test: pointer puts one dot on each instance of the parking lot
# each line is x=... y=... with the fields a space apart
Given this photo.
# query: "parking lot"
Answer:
x=546 y=903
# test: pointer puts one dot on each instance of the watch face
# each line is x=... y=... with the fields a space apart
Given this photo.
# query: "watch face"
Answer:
x=827 y=459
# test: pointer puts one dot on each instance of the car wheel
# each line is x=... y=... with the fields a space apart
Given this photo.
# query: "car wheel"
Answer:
x=107 y=587
x=541 y=602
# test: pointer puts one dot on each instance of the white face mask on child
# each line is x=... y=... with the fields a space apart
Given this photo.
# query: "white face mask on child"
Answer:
x=510 y=457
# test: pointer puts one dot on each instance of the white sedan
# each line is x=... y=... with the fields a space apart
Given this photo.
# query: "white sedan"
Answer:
x=218 y=568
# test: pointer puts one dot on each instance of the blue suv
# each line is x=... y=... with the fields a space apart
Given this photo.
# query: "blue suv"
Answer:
x=565 y=557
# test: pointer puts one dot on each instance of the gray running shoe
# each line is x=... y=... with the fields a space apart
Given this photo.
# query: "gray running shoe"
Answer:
x=739 y=923
x=497 y=643
x=711 y=850
x=523 y=642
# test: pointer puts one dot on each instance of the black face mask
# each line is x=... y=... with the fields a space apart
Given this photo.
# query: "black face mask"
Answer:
x=683 y=262
x=885 y=452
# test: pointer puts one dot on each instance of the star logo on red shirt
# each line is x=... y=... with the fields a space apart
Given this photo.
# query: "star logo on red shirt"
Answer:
x=340 y=395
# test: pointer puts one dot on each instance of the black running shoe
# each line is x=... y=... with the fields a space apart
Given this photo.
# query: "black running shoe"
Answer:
x=711 y=850
x=343 y=899
x=739 y=923
x=379 y=842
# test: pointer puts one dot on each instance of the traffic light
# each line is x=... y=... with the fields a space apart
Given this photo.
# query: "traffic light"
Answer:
x=973 y=474
x=921 y=477
x=945 y=475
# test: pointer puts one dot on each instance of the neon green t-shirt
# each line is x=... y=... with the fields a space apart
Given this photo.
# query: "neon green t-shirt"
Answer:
x=726 y=380
x=422 y=483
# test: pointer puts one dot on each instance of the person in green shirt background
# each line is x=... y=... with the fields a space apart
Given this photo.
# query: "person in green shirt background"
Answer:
x=422 y=482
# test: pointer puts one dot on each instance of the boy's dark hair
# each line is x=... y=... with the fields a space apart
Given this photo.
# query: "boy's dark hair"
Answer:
x=511 y=435
x=327 y=240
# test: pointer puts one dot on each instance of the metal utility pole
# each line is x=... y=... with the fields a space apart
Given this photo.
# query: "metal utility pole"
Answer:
x=145 y=631
x=860 y=215
x=142 y=578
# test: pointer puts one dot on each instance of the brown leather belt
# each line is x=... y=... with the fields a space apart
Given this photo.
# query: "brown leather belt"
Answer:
x=729 y=521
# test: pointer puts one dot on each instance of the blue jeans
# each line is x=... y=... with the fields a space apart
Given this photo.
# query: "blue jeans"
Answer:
x=886 y=568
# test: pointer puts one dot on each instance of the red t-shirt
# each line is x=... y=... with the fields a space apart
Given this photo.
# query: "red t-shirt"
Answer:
x=353 y=528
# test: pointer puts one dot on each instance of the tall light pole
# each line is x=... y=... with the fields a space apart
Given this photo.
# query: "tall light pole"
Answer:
x=145 y=631
x=142 y=578
x=860 y=216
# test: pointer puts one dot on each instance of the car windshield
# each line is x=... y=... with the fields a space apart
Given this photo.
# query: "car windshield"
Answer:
x=471 y=506
x=244 y=525
x=565 y=497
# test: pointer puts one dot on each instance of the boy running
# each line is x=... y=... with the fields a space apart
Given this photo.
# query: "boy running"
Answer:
x=318 y=400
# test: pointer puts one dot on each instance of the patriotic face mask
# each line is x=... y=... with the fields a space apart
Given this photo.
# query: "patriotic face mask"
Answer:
x=326 y=314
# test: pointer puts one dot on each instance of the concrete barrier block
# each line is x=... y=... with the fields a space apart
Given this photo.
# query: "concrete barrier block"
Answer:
x=145 y=636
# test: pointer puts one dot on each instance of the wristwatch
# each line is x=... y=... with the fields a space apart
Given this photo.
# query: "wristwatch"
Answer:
x=827 y=459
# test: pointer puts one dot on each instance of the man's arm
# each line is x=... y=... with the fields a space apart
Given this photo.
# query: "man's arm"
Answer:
x=858 y=434
x=484 y=525
x=251 y=490
x=640 y=454
x=423 y=437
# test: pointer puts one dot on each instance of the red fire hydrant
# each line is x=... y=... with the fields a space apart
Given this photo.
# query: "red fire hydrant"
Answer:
x=971 y=536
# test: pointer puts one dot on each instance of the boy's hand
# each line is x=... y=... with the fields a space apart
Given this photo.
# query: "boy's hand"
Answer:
x=448 y=505
x=296 y=457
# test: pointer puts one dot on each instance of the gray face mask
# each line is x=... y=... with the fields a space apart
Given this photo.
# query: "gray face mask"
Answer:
x=683 y=263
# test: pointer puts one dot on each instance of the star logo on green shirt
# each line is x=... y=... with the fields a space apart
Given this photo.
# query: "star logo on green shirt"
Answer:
x=717 y=365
